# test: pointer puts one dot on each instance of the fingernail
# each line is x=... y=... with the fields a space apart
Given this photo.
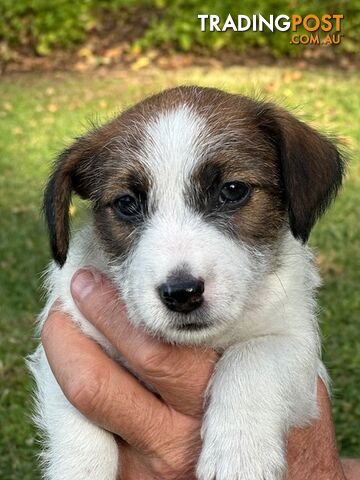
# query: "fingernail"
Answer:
x=83 y=282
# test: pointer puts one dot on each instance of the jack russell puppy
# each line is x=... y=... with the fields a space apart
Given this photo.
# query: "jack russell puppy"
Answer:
x=202 y=204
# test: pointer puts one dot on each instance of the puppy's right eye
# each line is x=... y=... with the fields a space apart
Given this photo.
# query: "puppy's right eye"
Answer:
x=127 y=207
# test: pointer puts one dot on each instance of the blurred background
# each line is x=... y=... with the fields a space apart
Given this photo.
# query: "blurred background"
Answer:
x=64 y=64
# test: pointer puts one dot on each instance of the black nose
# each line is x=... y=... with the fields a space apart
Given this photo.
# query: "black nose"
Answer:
x=182 y=294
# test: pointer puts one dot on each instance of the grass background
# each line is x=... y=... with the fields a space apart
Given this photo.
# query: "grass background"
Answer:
x=40 y=114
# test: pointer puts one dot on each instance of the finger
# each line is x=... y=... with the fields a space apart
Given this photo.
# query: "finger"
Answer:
x=101 y=389
x=134 y=465
x=180 y=374
x=351 y=467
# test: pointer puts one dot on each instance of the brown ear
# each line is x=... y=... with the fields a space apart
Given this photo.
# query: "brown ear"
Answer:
x=73 y=171
x=311 y=167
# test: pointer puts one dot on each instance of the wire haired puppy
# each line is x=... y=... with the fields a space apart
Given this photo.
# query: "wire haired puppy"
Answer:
x=202 y=203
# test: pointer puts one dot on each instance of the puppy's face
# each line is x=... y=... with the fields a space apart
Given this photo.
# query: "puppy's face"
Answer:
x=193 y=191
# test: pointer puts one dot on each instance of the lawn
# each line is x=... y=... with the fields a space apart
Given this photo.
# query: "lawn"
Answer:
x=39 y=114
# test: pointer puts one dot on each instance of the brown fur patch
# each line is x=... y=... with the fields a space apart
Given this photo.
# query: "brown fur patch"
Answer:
x=115 y=234
x=259 y=220
x=239 y=151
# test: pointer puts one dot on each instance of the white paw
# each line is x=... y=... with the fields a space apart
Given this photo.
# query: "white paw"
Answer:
x=240 y=456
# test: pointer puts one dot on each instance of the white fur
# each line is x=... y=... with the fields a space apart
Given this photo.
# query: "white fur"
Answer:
x=263 y=320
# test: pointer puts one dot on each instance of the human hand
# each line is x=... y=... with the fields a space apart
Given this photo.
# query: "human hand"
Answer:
x=159 y=437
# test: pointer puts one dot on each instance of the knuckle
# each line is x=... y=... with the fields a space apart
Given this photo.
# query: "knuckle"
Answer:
x=86 y=391
x=157 y=432
x=174 y=468
x=177 y=454
x=102 y=311
x=97 y=310
x=155 y=361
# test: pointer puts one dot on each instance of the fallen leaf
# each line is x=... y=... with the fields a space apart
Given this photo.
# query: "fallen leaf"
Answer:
x=140 y=63
x=52 y=107
x=50 y=91
x=7 y=106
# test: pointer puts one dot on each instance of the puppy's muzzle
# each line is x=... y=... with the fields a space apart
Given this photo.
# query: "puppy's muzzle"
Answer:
x=182 y=293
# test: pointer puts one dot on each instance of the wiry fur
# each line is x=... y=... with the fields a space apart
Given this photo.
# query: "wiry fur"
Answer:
x=259 y=306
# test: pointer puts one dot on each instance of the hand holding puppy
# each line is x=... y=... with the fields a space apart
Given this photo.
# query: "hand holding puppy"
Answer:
x=160 y=438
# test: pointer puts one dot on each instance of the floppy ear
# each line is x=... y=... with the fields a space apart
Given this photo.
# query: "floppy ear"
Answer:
x=72 y=172
x=311 y=167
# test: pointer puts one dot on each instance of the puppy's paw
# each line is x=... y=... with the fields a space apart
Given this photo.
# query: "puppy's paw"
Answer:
x=240 y=456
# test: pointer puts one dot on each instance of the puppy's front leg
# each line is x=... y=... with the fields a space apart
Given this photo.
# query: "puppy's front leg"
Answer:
x=260 y=388
x=75 y=448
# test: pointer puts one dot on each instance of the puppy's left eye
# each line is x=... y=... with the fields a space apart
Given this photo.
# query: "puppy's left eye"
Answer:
x=127 y=207
x=234 y=193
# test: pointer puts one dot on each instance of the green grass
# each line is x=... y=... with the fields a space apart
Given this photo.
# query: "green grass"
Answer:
x=40 y=114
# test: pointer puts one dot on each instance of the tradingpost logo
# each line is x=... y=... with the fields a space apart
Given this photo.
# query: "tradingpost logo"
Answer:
x=304 y=30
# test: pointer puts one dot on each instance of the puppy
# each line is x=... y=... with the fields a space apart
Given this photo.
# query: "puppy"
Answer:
x=202 y=203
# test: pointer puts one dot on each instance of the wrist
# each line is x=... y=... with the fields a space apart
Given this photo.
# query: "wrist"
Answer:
x=312 y=453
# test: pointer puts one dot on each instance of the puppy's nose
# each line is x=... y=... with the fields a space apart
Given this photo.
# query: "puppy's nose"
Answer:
x=182 y=294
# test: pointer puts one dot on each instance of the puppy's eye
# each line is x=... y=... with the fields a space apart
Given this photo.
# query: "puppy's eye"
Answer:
x=234 y=193
x=127 y=207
